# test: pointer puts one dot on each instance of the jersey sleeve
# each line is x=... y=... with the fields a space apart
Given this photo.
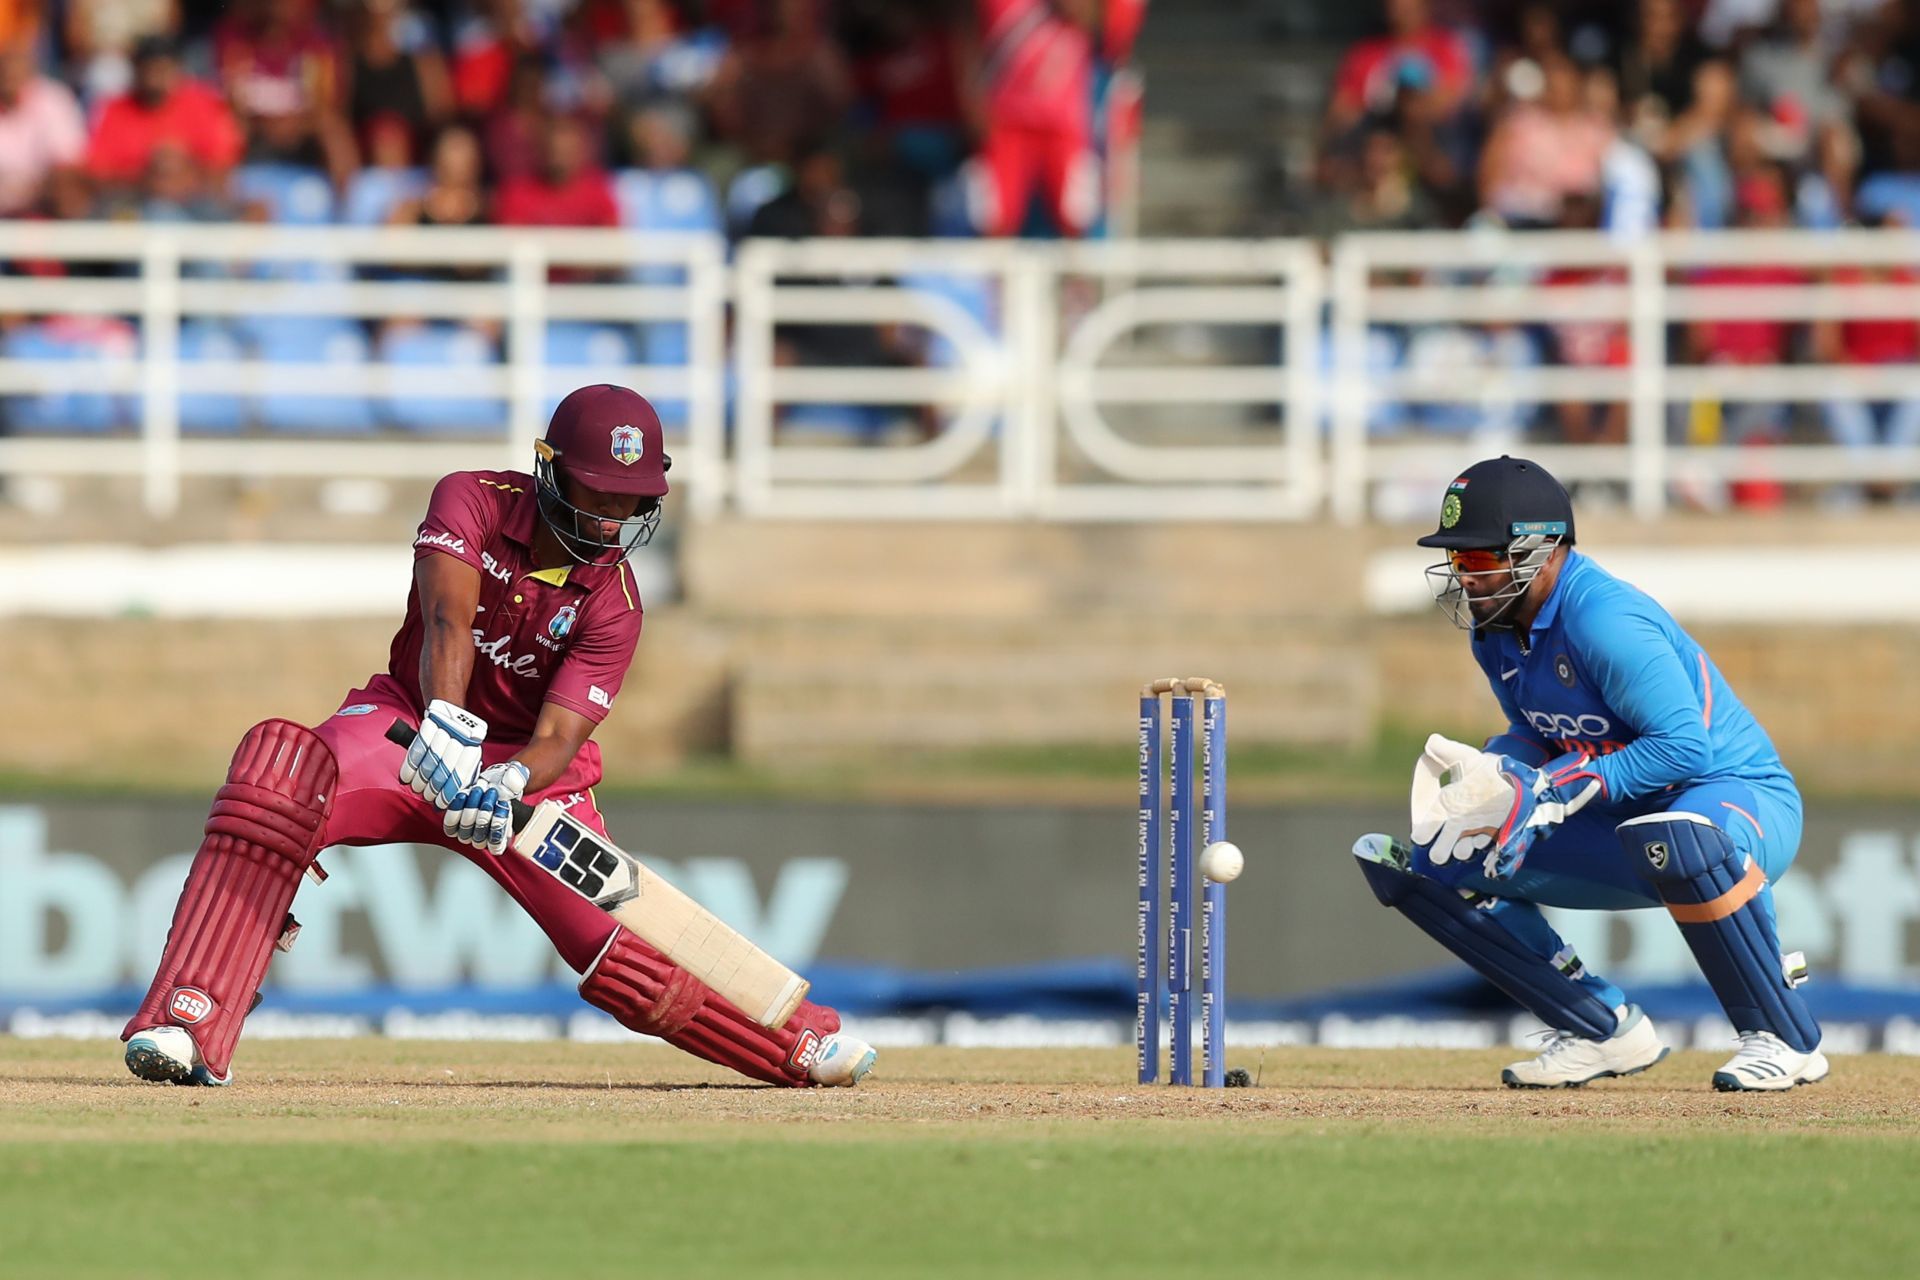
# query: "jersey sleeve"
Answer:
x=460 y=516
x=1644 y=682
x=596 y=664
x=1518 y=739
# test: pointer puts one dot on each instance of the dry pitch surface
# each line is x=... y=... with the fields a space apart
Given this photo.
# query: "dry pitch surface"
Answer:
x=416 y=1158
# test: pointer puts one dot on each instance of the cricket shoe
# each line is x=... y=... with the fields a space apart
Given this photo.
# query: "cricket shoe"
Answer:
x=842 y=1060
x=1569 y=1061
x=1765 y=1062
x=168 y=1055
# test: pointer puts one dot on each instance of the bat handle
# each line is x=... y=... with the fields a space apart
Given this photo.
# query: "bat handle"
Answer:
x=400 y=733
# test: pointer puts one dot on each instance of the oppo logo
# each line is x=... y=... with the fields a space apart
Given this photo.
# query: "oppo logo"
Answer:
x=1561 y=725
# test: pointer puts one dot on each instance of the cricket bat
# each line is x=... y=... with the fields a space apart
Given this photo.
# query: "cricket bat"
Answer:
x=667 y=919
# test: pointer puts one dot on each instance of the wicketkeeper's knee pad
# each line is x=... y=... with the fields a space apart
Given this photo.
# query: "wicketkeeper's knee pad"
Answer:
x=263 y=834
x=1472 y=933
x=1711 y=890
x=648 y=993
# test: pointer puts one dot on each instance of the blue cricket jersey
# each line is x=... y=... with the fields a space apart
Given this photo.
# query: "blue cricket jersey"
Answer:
x=1607 y=670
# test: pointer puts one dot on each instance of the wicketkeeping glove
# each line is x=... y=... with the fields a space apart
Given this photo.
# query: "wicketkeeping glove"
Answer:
x=445 y=755
x=1525 y=807
x=482 y=815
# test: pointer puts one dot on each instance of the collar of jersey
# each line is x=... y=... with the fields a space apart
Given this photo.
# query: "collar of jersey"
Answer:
x=518 y=526
x=1550 y=611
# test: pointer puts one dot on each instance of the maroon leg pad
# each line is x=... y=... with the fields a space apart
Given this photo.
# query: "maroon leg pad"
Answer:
x=262 y=835
x=648 y=993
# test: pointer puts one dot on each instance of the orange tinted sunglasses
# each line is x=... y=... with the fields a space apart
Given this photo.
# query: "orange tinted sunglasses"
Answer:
x=1477 y=561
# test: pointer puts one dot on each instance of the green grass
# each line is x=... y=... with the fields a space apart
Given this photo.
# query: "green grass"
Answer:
x=382 y=1158
x=1080 y=1202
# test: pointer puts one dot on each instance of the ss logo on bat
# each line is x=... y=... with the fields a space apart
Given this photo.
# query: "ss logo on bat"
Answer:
x=576 y=860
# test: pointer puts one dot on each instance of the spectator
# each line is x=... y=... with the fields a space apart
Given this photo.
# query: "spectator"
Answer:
x=1589 y=344
x=19 y=22
x=1789 y=77
x=1892 y=341
x=1386 y=197
x=453 y=197
x=1544 y=149
x=171 y=190
x=651 y=56
x=489 y=49
x=41 y=132
x=1037 y=116
x=1416 y=60
x=101 y=35
x=785 y=85
x=388 y=82
x=511 y=135
x=281 y=69
x=568 y=190
x=163 y=106
x=1678 y=95
x=909 y=84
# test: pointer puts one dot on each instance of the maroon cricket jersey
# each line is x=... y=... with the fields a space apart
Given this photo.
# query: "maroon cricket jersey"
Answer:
x=564 y=635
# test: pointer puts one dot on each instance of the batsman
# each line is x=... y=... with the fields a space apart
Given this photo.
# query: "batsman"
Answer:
x=519 y=629
x=1629 y=775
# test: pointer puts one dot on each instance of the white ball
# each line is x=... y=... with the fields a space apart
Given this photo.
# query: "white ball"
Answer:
x=1222 y=862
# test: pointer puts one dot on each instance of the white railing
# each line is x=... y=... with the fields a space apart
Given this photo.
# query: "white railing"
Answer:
x=1117 y=380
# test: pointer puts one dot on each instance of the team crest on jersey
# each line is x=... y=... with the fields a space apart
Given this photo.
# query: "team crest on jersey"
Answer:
x=562 y=622
x=629 y=446
x=1563 y=669
x=1450 y=511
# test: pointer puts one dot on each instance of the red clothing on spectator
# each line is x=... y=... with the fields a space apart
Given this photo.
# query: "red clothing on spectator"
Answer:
x=1886 y=341
x=1120 y=27
x=1733 y=341
x=1369 y=74
x=276 y=75
x=1038 y=66
x=913 y=84
x=1590 y=344
x=192 y=116
x=585 y=200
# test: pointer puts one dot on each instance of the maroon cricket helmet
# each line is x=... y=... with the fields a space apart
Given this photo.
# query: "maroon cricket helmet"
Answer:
x=608 y=438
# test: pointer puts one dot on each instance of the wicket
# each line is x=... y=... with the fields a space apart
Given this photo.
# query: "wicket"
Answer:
x=1171 y=986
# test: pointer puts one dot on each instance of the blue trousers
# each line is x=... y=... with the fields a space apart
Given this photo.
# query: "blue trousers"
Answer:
x=1580 y=865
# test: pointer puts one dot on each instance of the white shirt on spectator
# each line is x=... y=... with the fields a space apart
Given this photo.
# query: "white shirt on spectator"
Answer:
x=1725 y=19
x=39 y=133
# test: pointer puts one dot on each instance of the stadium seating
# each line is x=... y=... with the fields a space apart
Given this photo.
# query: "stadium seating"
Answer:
x=204 y=413
x=454 y=348
x=74 y=411
x=311 y=340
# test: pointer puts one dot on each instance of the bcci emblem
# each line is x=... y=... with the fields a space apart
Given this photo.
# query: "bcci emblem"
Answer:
x=1450 y=511
x=1657 y=855
x=562 y=622
x=629 y=446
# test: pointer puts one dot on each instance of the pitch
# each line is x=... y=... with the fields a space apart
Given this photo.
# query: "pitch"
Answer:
x=424 y=1158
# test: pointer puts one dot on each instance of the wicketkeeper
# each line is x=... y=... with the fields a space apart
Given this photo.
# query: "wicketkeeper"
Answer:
x=519 y=631
x=1629 y=775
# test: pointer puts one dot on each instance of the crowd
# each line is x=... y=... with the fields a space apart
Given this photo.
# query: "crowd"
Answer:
x=1627 y=115
x=739 y=117
x=523 y=112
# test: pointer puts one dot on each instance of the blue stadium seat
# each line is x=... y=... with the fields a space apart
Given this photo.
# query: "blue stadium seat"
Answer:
x=585 y=343
x=210 y=413
x=63 y=412
x=454 y=348
x=1890 y=194
x=676 y=200
x=294 y=197
x=311 y=341
x=373 y=195
x=973 y=294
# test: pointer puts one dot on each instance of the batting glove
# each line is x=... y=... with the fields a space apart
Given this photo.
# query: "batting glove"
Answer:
x=445 y=755
x=482 y=815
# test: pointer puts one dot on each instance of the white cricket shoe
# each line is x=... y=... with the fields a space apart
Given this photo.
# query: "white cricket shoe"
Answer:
x=842 y=1060
x=1569 y=1061
x=1766 y=1062
x=168 y=1055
